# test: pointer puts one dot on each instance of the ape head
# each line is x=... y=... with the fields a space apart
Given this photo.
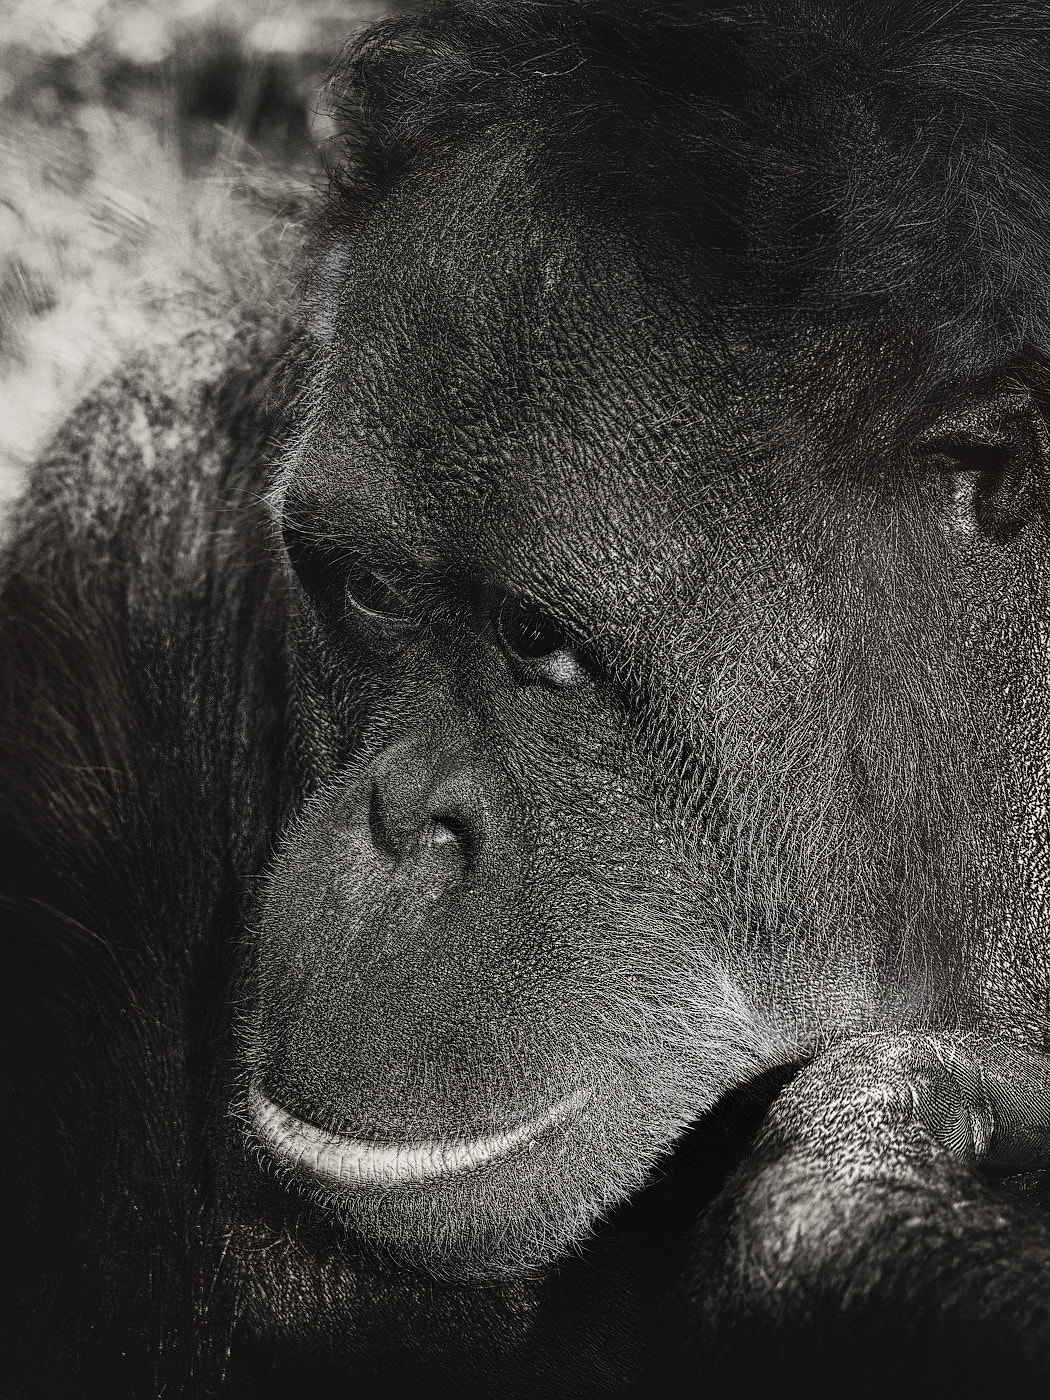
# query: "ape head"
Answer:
x=663 y=528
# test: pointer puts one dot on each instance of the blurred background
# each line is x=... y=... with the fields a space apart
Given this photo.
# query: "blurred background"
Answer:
x=154 y=154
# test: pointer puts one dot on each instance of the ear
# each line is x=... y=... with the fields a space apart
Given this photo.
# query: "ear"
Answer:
x=995 y=443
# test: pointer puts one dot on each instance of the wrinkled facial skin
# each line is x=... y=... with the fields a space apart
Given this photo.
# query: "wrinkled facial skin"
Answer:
x=669 y=698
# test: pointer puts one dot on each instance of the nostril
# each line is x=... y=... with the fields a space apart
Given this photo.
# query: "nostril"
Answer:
x=399 y=835
x=442 y=835
x=450 y=831
x=417 y=807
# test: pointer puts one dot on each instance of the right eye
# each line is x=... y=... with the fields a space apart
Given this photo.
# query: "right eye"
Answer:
x=371 y=594
x=338 y=582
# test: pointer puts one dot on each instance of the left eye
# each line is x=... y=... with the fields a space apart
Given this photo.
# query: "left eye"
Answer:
x=538 y=644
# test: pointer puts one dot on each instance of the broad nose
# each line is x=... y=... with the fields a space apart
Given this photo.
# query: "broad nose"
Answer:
x=426 y=805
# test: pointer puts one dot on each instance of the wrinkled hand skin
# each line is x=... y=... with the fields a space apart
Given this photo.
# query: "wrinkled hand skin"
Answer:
x=892 y=1182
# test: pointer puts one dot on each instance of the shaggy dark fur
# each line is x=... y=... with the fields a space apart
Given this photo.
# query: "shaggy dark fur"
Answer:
x=891 y=153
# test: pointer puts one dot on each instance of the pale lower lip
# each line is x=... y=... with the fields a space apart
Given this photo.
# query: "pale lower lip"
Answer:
x=355 y=1164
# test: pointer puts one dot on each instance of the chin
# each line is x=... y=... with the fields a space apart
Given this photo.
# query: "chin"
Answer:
x=496 y=1205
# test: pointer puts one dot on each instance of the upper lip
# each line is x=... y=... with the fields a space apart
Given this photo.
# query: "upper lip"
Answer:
x=357 y=1164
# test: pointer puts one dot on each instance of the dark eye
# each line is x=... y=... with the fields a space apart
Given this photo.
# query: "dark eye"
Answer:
x=337 y=581
x=538 y=645
x=372 y=595
x=526 y=631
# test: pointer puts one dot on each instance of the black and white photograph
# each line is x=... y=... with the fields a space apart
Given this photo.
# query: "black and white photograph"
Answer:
x=525 y=699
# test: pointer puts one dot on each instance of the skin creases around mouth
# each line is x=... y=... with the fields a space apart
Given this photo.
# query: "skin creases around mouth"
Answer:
x=356 y=1164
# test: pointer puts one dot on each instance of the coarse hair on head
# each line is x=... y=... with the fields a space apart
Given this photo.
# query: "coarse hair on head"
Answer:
x=797 y=152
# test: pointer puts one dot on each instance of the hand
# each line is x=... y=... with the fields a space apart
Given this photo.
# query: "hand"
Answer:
x=864 y=1246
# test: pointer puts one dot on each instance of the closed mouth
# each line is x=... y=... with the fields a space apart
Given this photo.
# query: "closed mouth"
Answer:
x=356 y=1164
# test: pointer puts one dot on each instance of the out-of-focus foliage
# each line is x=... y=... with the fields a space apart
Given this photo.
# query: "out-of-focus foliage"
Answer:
x=153 y=157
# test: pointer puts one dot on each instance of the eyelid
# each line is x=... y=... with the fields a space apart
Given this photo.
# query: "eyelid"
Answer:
x=367 y=586
x=562 y=666
x=515 y=617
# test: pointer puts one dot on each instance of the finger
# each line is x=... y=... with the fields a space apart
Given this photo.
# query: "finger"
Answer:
x=1013 y=1088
